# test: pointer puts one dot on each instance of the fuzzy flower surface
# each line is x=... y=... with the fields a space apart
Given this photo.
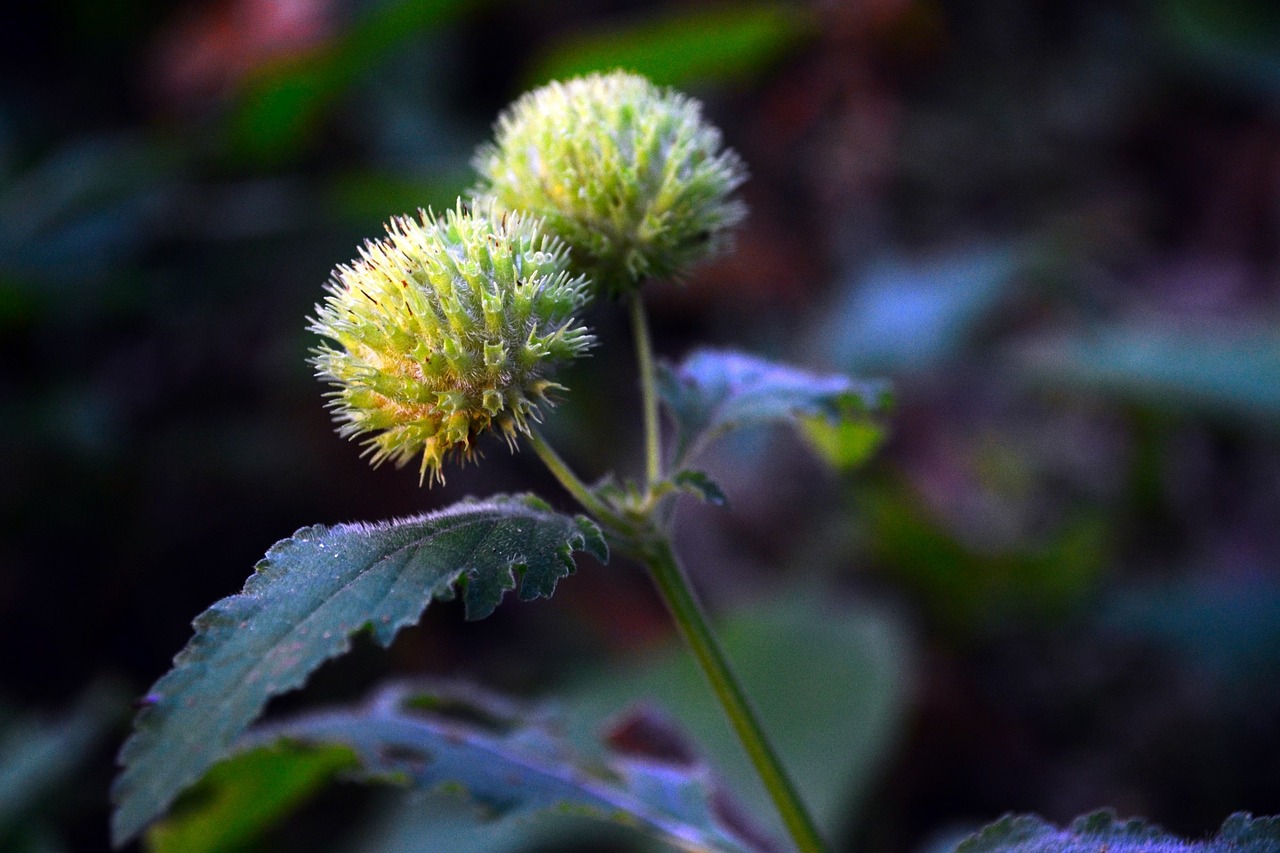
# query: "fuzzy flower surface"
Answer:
x=446 y=328
x=626 y=173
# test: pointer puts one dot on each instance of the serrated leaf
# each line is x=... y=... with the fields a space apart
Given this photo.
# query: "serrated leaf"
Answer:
x=300 y=608
x=831 y=686
x=511 y=760
x=1240 y=833
x=714 y=391
x=240 y=797
x=699 y=484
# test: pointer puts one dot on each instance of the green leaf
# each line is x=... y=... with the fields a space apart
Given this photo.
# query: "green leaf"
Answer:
x=1240 y=833
x=684 y=47
x=1225 y=372
x=1225 y=627
x=300 y=608
x=283 y=102
x=845 y=444
x=239 y=797
x=38 y=757
x=511 y=761
x=829 y=683
x=914 y=314
x=697 y=483
x=1237 y=42
x=366 y=196
x=975 y=590
x=714 y=391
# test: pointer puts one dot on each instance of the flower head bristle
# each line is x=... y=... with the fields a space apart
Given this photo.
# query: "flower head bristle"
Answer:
x=446 y=328
x=628 y=174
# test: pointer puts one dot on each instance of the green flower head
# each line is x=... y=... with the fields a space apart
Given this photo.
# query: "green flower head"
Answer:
x=446 y=328
x=626 y=173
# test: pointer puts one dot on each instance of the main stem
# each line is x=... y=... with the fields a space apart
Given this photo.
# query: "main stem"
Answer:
x=648 y=390
x=673 y=585
x=692 y=622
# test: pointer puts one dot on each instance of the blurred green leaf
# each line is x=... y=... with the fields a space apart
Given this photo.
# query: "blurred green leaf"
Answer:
x=79 y=212
x=372 y=197
x=301 y=607
x=1228 y=372
x=683 y=47
x=971 y=588
x=1227 y=628
x=713 y=392
x=915 y=314
x=1239 y=40
x=38 y=756
x=698 y=484
x=845 y=444
x=1102 y=831
x=828 y=683
x=243 y=795
x=447 y=821
x=282 y=103
x=512 y=761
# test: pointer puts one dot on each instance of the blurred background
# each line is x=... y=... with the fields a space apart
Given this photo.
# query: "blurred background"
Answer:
x=1051 y=584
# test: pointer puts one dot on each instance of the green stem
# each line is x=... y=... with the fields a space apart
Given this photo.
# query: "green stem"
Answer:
x=574 y=486
x=653 y=547
x=692 y=622
x=648 y=390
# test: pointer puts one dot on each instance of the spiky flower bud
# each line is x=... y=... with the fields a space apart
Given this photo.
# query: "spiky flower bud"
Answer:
x=446 y=328
x=626 y=173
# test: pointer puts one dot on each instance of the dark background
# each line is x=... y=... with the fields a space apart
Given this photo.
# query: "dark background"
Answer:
x=1052 y=224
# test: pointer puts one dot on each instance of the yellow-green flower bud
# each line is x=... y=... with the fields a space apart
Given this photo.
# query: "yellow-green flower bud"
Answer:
x=447 y=327
x=626 y=173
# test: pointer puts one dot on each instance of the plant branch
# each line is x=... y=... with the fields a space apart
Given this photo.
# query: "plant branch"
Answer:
x=692 y=622
x=648 y=390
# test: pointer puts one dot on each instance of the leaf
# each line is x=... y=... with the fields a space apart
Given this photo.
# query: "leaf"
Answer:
x=1225 y=628
x=1237 y=42
x=306 y=599
x=845 y=444
x=975 y=590
x=829 y=683
x=78 y=214
x=697 y=483
x=1227 y=372
x=511 y=761
x=915 y=314
x=239 y=797
x=364 y=196
x=282 y=102
x=714 y=391
x=1240 y=833
x=38 y=757
x=681 y=48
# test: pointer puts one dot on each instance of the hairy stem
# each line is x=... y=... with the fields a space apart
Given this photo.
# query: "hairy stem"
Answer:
x=692 y=622
x=648 y=390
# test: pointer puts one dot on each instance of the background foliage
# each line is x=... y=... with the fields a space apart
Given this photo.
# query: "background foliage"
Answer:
x=1052 y=224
